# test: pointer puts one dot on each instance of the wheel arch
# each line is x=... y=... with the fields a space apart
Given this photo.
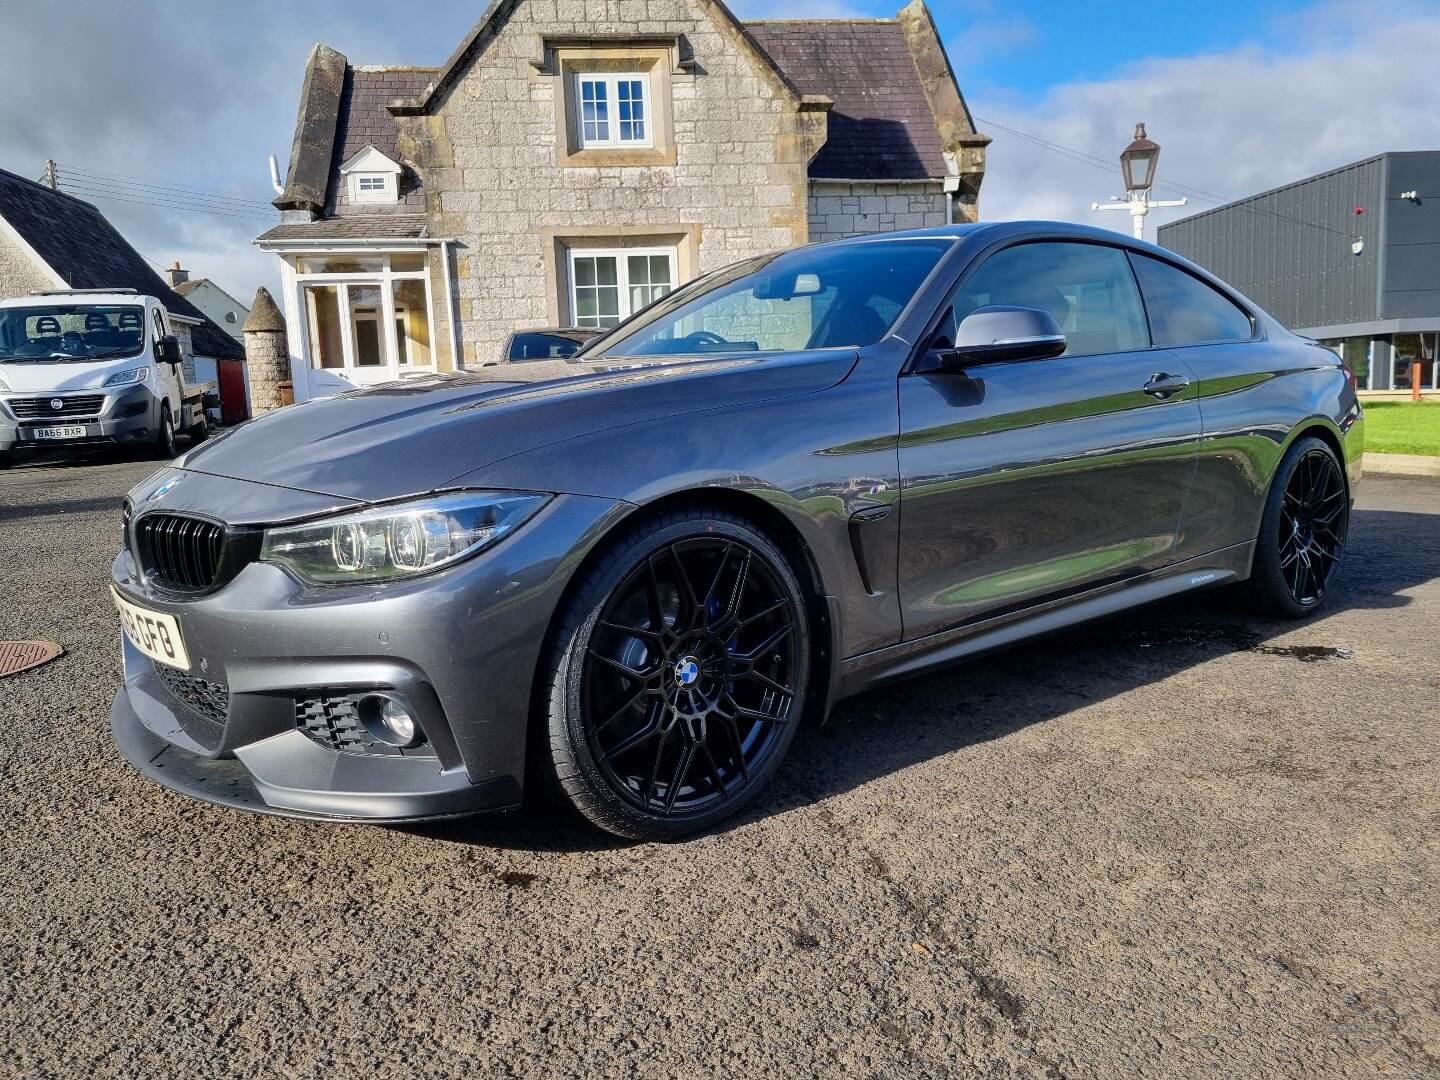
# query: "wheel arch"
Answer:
x=1324 y=430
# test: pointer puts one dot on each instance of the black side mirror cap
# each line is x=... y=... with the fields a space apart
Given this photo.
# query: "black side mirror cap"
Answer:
x=1000 y=333
x=167 y=350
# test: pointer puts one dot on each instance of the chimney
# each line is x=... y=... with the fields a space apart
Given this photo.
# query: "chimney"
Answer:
x=177 y=275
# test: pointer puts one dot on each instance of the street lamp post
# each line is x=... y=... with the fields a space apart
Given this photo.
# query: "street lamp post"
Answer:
x=1137 y=165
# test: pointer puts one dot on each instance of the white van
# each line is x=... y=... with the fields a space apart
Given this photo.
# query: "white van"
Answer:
x=92 y=367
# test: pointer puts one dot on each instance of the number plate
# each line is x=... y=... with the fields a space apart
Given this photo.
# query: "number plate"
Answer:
x=76 y=431
x=154 y=633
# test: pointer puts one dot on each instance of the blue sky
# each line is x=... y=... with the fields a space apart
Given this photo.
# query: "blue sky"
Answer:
x=1241 y=95
x=1020 y=49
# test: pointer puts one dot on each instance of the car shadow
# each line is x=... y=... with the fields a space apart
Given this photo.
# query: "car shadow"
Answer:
x=886 y=730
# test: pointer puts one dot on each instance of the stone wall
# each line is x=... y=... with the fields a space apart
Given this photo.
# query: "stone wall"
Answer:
x=18 y=273
x=841 y=208
x=495 y=180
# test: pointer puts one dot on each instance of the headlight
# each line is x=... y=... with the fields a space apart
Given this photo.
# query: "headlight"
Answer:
x=4 y=385
x=399 y=541
x=125 y=378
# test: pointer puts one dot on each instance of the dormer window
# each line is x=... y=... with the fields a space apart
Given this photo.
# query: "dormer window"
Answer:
x=613 y=110
x=371 y=177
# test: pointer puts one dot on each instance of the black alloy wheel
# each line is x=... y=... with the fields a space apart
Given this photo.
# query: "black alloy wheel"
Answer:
x=1313 y=520
x=1302 y=532
x=685 y=679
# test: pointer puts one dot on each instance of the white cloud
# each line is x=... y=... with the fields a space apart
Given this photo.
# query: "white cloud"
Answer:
x=1230 y=123
x=990 y=36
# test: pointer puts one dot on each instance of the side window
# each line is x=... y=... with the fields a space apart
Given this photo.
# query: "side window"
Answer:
x=1185 y=310
x=159 y=324
x=1088 y=288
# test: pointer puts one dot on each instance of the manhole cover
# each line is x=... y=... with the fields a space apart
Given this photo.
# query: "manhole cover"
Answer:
x=24 y=655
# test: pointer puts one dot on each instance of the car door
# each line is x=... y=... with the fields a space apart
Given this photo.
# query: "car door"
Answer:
x=167 y=378
x=1244 y=409
x=1022 y=482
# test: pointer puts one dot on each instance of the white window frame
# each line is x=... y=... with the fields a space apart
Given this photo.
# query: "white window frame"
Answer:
x=385 y=279
x=611 y=81
x=622 y=276
x=387 y=192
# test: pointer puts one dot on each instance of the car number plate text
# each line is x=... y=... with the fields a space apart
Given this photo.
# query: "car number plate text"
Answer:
x=154 y=633
x=73 y=431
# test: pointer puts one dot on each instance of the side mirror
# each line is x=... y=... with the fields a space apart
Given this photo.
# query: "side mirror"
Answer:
x=990 y=335
x=167 y=349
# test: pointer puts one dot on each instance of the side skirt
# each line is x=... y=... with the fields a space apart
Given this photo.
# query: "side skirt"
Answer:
x=860 y=673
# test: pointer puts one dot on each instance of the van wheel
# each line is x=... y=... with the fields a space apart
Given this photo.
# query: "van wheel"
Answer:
x=200 y=430
x=1302 y=532
x=164 y=448
x=677 y=677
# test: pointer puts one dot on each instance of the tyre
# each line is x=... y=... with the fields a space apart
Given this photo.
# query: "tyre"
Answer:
x=164 y=446
x=199 y=431
x=676 y=677
x=6 y=460
x=1302 y=532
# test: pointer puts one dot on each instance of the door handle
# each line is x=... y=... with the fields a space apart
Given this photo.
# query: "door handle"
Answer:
x=1165 y=386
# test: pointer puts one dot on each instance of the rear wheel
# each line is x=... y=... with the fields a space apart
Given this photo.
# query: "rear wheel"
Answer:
x=200 y=430
x=1302 y=532
x=677 y=677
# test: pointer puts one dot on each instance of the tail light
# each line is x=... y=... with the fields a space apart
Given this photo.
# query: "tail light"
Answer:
x=1349 y=376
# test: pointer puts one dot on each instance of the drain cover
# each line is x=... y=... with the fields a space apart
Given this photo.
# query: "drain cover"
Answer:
x=23 y=655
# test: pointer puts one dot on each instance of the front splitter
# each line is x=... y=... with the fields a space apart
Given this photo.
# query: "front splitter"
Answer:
x=227 y=782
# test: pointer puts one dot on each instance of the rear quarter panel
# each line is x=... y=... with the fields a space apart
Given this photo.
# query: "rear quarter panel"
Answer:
x=1256 y=398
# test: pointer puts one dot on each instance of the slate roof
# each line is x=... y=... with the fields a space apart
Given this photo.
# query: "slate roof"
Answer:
x=80 y=245
x=370 y=227
x=881 y=126
x=362 y=121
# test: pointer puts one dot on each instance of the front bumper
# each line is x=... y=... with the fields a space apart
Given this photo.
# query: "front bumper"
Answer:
x=125 y=417
x=290 y=776
x=460 y=647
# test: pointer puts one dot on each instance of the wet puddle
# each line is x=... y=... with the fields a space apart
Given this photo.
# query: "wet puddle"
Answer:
x=1234 y=637
x=1306 y=654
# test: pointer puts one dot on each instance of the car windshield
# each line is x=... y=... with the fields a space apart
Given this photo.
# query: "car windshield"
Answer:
x=840 y=296
x=56 y=333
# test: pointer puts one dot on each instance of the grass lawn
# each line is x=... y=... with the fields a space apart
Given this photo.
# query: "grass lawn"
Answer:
x=1402 y=427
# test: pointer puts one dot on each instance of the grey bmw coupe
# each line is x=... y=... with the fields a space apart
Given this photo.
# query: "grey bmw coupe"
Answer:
x=631 y=578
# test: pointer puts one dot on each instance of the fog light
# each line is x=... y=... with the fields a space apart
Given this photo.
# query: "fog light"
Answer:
x=387 y=719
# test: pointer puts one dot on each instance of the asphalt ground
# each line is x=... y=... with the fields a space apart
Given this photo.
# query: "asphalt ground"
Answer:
x=1184 y=843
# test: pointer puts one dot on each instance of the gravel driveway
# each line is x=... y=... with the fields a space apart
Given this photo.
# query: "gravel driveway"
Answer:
x=1182 y=844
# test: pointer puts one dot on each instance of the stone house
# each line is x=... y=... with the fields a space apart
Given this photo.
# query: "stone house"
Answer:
x=573 y=160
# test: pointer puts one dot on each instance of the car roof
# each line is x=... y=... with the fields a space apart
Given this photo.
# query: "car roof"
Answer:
x=1005 y=229
x=576 y=333
x=77 y=296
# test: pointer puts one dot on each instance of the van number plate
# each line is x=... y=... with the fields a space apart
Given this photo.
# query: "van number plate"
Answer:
x=76 y=431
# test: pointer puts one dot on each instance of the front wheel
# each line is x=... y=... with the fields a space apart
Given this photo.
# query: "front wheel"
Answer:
x=164 y=446
x=677 y=676
x=1302 y=532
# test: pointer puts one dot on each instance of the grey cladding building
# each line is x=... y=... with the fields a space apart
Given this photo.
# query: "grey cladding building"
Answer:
x=1294 y=251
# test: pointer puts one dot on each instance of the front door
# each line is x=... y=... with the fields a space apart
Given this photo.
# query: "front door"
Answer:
x=167 y=377
x=345 y=324
x=1024 y=482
